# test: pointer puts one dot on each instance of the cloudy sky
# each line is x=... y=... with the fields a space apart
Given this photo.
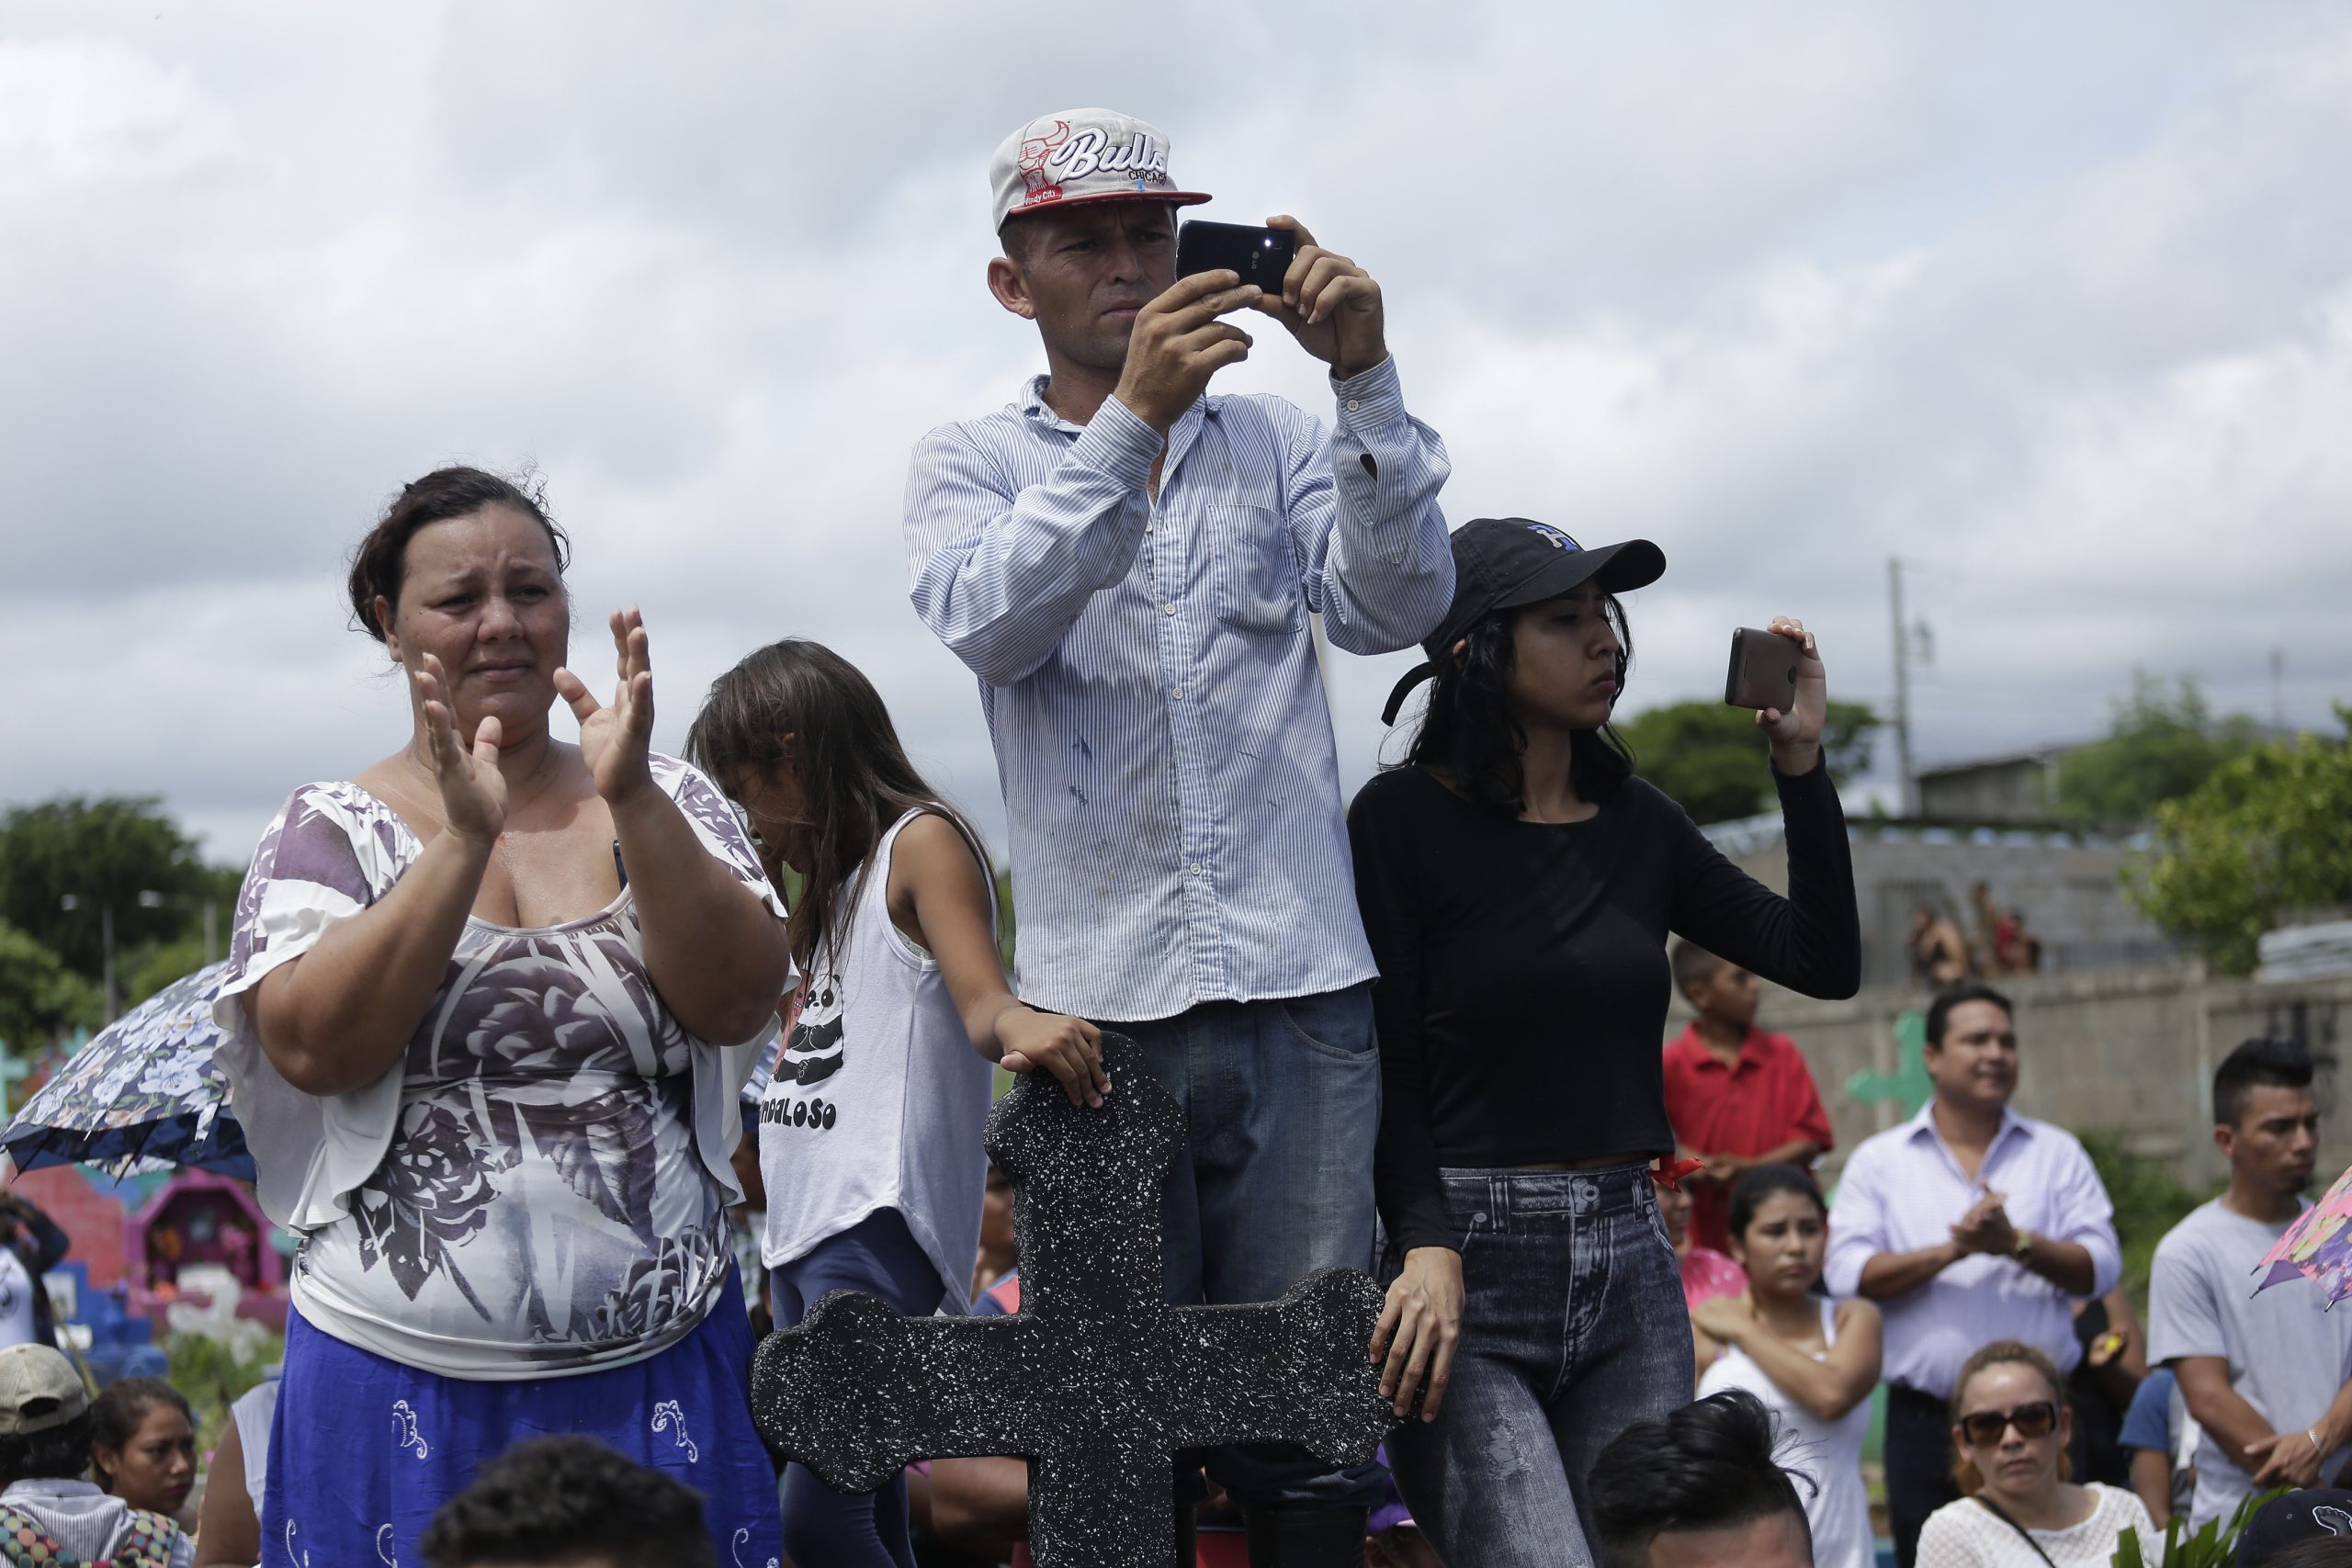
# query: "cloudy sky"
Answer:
x=2053 y=301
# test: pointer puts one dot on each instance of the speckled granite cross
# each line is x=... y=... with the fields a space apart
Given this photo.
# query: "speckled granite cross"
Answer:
x=1096 y=1379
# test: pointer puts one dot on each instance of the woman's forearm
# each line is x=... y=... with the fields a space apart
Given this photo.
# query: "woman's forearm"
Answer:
x=716 y=954
x=336 y=1018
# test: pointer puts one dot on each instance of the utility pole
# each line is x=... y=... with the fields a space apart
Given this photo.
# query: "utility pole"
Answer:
x=1902 y=688
x=2278 y=689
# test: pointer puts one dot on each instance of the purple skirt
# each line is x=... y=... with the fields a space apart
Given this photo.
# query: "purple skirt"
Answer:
x=364 y=1449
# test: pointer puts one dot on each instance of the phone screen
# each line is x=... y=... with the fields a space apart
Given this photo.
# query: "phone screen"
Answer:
x=1259 y=255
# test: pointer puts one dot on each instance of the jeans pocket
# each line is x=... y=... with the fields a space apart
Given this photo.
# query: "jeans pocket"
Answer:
x=1254 y=576
x=1333 y=1023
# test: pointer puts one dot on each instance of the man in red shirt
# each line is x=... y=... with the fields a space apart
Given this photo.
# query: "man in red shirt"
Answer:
x=1738 y=1096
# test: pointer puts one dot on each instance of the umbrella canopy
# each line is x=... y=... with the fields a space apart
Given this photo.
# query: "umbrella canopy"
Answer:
x=144 y=1090
x=2318 y=1246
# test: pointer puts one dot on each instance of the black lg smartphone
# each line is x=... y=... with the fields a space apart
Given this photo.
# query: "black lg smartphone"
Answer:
x=1259 y=255
x=1763 y=672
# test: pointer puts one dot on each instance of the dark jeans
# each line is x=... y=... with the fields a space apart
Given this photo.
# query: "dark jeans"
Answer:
x=1918 y=1465
x=1573 y=1329
x=1282 y=1102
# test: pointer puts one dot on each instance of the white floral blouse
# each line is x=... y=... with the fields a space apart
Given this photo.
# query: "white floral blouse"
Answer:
x=540 y=1185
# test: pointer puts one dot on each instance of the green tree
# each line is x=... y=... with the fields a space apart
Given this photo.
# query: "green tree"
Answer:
x=1710 y=758
x=2160 y=746
x=98 y=852
x=39 y=996
x=2267 y=834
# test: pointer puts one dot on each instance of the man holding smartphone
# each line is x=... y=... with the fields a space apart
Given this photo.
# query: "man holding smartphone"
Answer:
x=1129 y=566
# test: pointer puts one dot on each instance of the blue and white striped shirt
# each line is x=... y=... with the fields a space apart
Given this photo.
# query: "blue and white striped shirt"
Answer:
x=1149 y=675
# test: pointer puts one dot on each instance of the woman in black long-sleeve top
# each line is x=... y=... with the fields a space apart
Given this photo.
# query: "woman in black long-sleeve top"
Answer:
x=1517 y=884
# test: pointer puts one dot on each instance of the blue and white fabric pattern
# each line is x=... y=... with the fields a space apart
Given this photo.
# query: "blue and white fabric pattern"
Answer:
x=145 y=1089
x=365 y=1451
x=1151 y=681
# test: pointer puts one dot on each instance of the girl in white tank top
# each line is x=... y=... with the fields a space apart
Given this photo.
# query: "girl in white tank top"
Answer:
x=1814 y=1361
x=870 y=1130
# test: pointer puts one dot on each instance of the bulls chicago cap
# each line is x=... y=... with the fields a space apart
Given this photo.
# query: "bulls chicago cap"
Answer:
x=1074 y=155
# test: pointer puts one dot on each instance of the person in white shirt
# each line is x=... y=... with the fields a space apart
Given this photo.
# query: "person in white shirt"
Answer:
x=2012 y=1423
x=2267 y=1373
x=1811 y=1360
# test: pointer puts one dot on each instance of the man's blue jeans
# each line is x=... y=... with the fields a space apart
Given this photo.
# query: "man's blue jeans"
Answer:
x=1573 y=1328
x=1274 y=1181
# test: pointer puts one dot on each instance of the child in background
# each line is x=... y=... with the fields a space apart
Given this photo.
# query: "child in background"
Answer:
x=870 y=1130
x=1738 y=1096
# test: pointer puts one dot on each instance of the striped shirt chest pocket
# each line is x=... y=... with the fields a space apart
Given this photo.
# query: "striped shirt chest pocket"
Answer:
x=1252 y=574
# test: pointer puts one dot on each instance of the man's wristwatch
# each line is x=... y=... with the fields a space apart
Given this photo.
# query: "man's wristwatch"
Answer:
x=2022 y=1249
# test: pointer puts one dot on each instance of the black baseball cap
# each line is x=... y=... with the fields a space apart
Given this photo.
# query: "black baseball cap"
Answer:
x=1500 y=563
x=2312 y=1514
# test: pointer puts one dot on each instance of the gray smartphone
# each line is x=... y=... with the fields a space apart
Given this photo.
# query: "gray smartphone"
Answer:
x=1763 y=672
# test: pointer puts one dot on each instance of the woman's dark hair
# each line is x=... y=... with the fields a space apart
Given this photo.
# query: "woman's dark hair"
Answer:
x=556 y=1500
x=1759 y=1182
x=1708 y=1466
x=1469 y=733
x=120 y=1408
x=60 y=1453
x=380 y=562
x=853 y=774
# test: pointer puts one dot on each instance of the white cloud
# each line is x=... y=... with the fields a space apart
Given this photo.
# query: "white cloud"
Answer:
x=2056 y=308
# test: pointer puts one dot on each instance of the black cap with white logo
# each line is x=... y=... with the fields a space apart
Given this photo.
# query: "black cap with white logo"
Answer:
x=1501 y=563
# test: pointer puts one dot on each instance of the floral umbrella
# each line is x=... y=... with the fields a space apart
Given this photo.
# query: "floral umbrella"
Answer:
x=2318 y=1246
x=145 y=1089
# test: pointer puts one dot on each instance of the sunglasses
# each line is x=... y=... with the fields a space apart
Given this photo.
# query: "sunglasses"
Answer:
x=1983 y=1428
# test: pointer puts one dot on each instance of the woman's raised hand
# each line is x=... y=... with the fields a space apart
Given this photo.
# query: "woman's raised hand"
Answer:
x=473 y=792
x=1795 y=735
x=614 y=741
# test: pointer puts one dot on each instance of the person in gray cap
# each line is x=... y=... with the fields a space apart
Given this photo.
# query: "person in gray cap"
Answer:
x=48 y=1513
x=1131 y=566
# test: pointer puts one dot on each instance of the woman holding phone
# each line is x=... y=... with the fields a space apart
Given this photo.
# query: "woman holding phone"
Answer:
x=1518 y=882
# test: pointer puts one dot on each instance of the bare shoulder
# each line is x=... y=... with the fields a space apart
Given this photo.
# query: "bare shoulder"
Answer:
x=930 y=847
x=1856 y=1312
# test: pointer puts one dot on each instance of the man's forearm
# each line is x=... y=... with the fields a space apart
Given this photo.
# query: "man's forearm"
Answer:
x=2222 y=1410
x=2065 y=1264
x=1892 y=1274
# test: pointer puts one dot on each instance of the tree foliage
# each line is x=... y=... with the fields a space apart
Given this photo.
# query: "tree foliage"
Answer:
x=101 y=851
x=39 y=996
x=2267 y=834
x=2160 y=746
x=1710 y=758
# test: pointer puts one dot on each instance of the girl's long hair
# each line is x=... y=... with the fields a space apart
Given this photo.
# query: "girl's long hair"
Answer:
x=1469 y=733
x=853 y=774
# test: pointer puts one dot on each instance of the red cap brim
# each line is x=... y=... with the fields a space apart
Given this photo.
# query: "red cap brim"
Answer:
x=1176 y=198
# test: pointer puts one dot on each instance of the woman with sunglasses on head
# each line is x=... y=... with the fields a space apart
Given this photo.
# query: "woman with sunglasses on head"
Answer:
x=1814 y=1361
x=1519 y=883
x=2018 y=1510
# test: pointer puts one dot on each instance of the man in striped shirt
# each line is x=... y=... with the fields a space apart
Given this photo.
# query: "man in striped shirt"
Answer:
x=1130 y=567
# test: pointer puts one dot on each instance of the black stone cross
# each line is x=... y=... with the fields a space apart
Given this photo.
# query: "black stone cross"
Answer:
x=1096 y=1379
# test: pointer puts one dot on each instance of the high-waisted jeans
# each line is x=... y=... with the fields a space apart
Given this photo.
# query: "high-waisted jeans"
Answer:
x=1573 y=1329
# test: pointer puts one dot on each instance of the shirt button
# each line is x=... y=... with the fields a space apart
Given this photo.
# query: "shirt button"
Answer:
x=1354 y=405
x=1168 y=609
x=1177 y=693
x=1196 y=868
